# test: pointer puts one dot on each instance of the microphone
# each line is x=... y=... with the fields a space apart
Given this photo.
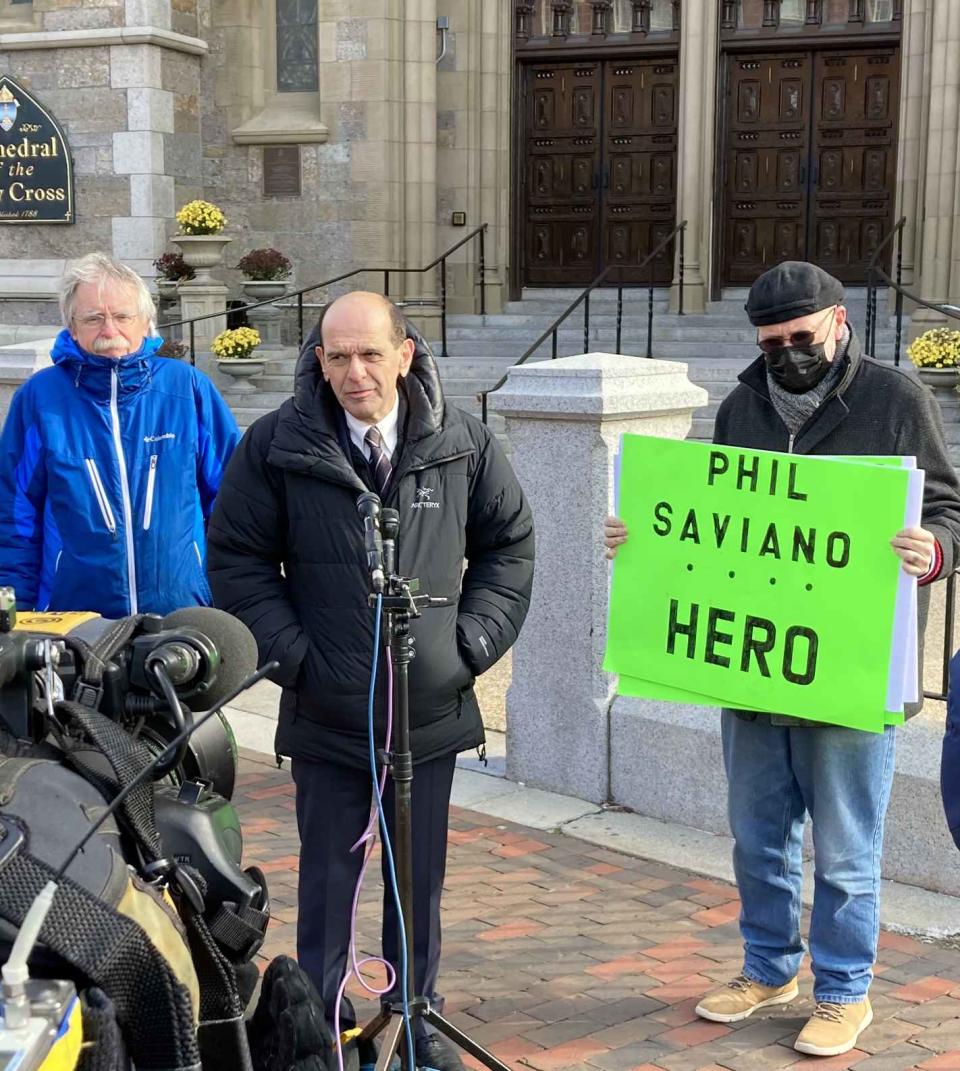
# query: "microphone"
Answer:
x=231 y=639
x=368 y=506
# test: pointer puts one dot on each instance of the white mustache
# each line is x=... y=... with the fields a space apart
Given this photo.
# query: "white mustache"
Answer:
x=101 y=345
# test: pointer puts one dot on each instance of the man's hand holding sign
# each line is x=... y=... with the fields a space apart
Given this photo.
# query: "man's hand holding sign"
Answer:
x=762 y=575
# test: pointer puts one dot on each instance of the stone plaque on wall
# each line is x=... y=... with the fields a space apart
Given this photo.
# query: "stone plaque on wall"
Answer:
x=281 y=171
x=36 y=172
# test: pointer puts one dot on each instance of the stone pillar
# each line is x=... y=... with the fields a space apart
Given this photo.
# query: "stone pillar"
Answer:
x=695 y=150
x=564 y=420
x=417 y=149
x=912 y=146
x=139 y=153
x=266 y=319
x=473 y=145
x=200 y=299
x=939 y=277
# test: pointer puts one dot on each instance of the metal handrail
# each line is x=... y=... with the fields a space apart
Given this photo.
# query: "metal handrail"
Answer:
x=873 y=267
x=874 y=272
x=950 y=598
x=441 y=261
x=584 y=299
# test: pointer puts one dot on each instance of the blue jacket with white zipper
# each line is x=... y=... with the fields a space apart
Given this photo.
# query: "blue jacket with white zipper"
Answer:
x=108 y=472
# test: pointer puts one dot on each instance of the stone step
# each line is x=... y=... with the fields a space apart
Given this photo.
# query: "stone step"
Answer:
x=281 y=384
x=263 y=401
x=688 y=349
x=633 y=319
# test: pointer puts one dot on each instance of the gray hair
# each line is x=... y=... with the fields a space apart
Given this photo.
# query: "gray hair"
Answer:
x=98 y=268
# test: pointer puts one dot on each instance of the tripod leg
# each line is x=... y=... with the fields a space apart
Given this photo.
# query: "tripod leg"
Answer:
x=374 y=1026
x=391 y=1039
x=478 y=1052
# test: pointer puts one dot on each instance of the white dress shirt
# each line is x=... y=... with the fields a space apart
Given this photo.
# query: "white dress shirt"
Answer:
x=387 y=428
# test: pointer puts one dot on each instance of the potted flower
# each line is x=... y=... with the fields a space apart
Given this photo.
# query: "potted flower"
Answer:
x=936 y=354
x=171 y=269
x=233 y=350
x=265 y=270
x=200 y=238
x=175 y=348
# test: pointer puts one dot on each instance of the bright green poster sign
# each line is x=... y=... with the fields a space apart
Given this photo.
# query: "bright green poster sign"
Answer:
x=763 y=580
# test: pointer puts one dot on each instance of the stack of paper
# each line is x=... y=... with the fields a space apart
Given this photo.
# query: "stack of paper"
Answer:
x=765 y=581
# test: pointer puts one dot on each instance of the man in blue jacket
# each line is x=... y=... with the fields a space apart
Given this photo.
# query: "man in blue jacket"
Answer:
x=110 y=460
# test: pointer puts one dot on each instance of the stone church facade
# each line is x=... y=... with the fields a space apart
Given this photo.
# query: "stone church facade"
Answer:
x=353 y=133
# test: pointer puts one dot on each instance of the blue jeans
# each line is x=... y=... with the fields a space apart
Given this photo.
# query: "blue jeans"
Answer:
x=841 y=777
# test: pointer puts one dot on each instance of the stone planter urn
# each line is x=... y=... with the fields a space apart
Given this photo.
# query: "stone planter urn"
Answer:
x=263 y=289
x=168 y=303
x=265 y=319
x=243 y=369
x=939 y=378
x=167 y=289
x=202 y=252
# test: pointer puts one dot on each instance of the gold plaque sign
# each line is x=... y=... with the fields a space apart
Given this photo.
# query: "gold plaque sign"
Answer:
x=36 y=172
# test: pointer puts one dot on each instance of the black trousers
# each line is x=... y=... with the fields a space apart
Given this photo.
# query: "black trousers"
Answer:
x=333 y=806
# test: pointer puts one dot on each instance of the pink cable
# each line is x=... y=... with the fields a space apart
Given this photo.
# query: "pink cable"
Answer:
x=368 y=838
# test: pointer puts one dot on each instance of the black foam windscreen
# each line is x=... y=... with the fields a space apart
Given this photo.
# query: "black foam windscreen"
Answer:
x=232 y=639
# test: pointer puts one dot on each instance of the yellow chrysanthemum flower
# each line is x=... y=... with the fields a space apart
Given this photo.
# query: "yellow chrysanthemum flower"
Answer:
x=236 y=343
x=937 y=348
x=201 y=217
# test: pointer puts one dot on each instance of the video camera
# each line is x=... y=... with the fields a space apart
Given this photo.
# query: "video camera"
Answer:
x=105 y=700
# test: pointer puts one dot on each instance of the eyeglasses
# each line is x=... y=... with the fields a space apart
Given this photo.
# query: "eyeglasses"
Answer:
x=98 y=319
x=798 y=340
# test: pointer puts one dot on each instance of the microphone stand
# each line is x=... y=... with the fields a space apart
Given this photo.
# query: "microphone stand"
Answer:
x=402 y=601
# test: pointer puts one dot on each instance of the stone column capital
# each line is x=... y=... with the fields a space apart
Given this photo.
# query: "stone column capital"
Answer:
x=598 y=387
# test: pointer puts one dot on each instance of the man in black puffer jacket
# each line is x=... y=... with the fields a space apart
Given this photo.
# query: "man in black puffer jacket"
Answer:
x=286 y=556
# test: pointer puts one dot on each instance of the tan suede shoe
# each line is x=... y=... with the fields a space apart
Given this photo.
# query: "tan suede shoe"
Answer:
x=741 y=998
x=834 y=1028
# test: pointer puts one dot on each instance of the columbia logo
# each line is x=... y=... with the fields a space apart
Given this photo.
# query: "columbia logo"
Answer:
x=159 y=438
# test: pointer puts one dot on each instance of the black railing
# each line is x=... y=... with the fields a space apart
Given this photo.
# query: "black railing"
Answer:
x=950 y=597
x=873 y=275
x=876 y=275
x=440 y=262
x=584 y=299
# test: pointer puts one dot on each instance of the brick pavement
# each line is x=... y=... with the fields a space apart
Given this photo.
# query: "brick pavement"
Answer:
x=560 y=954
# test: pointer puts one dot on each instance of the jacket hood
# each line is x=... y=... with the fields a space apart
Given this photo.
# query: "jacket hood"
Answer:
x=317 y=404
x=92 y=372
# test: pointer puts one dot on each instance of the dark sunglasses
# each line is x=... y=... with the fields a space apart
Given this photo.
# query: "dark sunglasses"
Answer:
x=798 y=340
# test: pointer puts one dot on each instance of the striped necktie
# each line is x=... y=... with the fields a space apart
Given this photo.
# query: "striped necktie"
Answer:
x=379 y=462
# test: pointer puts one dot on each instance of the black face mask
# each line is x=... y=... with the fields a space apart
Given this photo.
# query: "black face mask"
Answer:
x=797 y=369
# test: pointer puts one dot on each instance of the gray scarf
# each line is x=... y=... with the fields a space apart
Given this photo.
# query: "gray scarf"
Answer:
x=796 y=409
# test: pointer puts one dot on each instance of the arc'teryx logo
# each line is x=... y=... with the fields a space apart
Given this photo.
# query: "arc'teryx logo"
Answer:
x=423 y=500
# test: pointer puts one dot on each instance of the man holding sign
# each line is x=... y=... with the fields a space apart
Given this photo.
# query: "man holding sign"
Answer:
x=810 y=392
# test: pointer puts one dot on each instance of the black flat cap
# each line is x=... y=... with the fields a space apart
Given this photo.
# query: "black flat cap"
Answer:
x=791 y=289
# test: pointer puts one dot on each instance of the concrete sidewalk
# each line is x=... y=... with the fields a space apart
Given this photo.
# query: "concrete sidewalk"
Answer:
x=562 y=952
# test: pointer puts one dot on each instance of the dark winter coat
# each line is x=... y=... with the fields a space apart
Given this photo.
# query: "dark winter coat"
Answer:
x=876 y=409
x=286 y=556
